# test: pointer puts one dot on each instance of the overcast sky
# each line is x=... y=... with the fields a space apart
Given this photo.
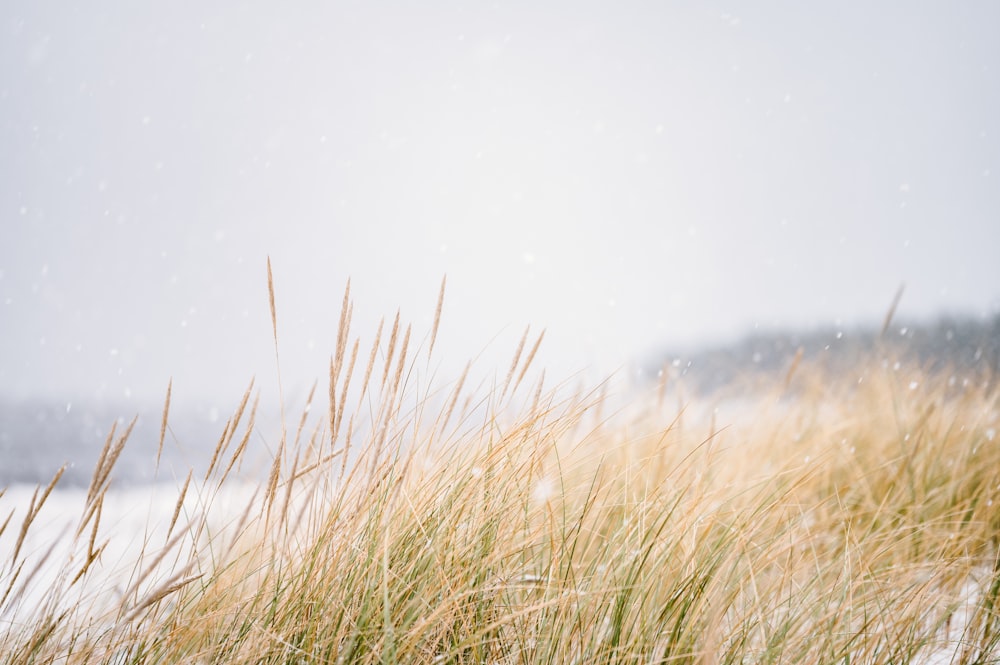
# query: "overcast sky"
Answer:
x=627 y=175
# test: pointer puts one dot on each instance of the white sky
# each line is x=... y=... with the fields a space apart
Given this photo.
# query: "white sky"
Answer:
x=626 y=175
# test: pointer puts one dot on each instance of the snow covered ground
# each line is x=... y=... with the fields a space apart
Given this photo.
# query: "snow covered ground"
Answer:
x=133 y=530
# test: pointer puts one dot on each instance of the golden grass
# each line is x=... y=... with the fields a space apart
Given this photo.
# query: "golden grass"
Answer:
x=836 y=519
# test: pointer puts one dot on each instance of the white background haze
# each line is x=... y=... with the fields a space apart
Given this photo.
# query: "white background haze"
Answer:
x=629 y=176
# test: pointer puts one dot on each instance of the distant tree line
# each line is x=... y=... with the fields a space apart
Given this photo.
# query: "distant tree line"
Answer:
x=963 y=346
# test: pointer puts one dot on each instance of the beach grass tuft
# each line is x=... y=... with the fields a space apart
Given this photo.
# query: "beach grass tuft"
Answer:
x=849 y=517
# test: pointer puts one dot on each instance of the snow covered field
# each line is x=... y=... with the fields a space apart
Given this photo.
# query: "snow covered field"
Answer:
x=39 y=565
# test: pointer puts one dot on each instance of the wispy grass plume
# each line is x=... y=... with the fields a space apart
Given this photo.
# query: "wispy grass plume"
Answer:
x=829 y=518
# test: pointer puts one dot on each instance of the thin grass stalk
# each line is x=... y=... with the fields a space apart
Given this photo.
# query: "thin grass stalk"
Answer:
x=163 y=422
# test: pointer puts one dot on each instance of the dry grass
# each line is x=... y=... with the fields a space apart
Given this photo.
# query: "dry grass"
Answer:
x=833 y=520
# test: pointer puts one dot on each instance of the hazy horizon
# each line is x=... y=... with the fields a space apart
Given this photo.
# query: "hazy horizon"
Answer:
x=627 y=177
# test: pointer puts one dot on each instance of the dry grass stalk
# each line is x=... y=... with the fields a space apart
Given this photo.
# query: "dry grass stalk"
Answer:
x=343 y=329
x=180 y=503
x=529 y=359
x=163 y=422
x=343 y=390
x=171 y=586
x=6 y=521
x=838 y=522
x=270 y=300
x=105 y=451
x=389 y=406
x=102 y=472
x=437 y=318
x=513 y=364
x=891 y=312
x=227 y=434
x=456 y=393
x=391 y=350
x=237 y=455
x=34 y=508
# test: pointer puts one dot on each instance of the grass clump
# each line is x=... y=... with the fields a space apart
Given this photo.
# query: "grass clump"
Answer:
x=836 y=519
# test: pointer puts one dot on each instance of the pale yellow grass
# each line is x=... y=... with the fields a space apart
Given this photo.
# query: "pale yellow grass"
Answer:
x=829 y=519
